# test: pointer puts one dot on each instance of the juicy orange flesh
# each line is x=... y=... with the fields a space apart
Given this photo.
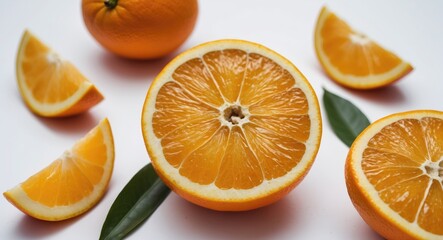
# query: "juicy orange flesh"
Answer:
x=404 y=162
x=72 y=177
x=57 y=82
x=194 y=139
x=352 y=53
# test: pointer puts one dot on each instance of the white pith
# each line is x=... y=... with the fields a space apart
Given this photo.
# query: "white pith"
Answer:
x=211 y=191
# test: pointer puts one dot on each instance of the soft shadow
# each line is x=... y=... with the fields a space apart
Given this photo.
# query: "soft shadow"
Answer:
x=81 y=123
x=365 y=232
x=261 y=223
x=388 y=95
x=31 y=228
x=315 y=64
x=127 y=69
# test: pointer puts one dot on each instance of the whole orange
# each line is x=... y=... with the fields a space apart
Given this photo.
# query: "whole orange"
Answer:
x=140 y=29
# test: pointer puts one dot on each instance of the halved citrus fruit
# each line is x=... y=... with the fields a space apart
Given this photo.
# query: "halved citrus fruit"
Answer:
x=394 y=175
x=231 y=125
x=73 y=183
x=352 y=59
x=49 y=85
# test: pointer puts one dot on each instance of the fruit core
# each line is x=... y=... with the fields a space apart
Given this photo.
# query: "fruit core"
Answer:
x=434 y=169
x=359 y=38
x=54 y=58
x=235 y=114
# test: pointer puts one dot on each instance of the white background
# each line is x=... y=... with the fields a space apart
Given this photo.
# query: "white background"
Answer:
x=319 y=208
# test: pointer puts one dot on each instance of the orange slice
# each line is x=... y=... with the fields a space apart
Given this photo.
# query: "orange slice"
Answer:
x=352 y=59
x=231 y=125
x=49 y=85
x=73 y=183
x=394 y=175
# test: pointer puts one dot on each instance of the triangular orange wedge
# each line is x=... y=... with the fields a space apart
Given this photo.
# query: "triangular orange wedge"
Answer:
x=73 y=183
x=394 y=175
x=351 y=58
x=49 y=85
x=231 y=125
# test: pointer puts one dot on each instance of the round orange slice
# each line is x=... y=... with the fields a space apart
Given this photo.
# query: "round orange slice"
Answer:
x=351 y=58
x=73 y=183
x=394 y=175
x=49 y=85
x=231 y=125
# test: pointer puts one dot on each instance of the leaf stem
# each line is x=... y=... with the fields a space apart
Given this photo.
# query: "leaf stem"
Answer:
x=111 y=4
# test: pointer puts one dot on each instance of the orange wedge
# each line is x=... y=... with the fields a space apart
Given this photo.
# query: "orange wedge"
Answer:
x=352 y=59
x=231 y=125
x=49 y=85
x=394 y=175
x=73 y=183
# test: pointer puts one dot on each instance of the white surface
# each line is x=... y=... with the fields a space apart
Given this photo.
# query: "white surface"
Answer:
x=319 y=208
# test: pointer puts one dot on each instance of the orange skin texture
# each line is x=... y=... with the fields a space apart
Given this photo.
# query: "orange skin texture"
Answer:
x=91 y=98
x=140 y=29
x=368 y=211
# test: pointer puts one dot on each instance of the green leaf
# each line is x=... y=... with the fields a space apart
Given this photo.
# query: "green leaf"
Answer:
x=347 y=121
x=135 y=203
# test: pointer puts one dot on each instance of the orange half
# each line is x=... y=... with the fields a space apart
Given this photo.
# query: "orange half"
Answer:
x=231 y=125
x=394 y=175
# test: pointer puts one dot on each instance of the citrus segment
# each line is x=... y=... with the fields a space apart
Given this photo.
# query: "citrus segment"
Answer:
x=276 y=157
x=240 y=168
x=196 y=78
x=203 y=163
x=227 y=68
x=291 y=102
x=292 y=126
x=49 y=85
x=183 y=141
x=73 y=183
x=264 y=78
x=353 y=59
x=394 y=175
x=176 y=107
x=231 y=125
